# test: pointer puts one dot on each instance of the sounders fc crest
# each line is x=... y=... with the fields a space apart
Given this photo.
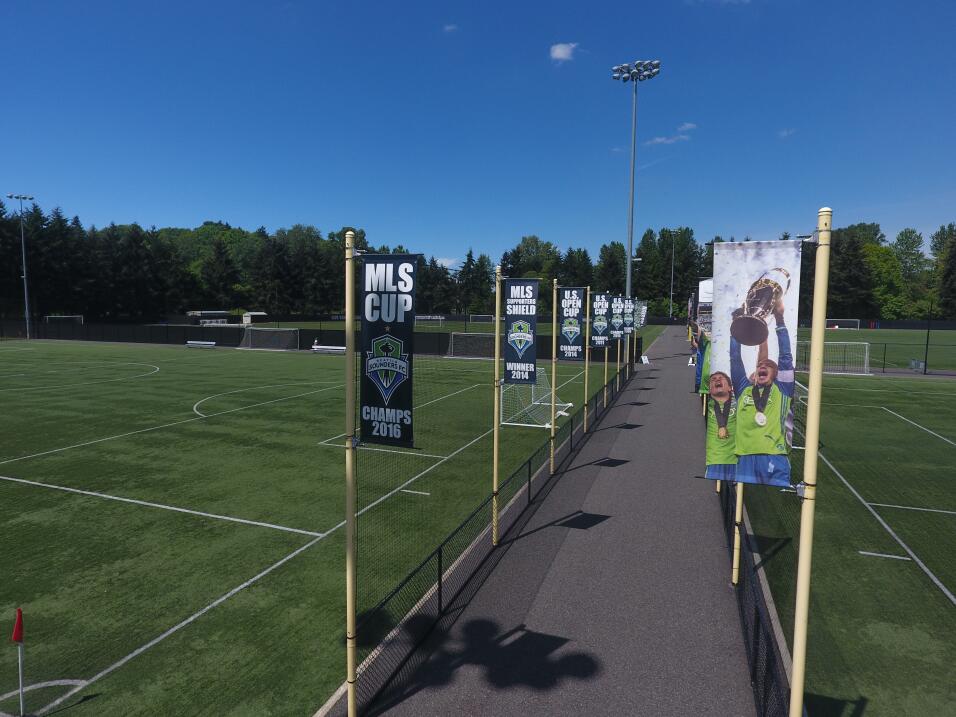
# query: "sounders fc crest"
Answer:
x=600 y=323
x=571 y=329
x=387 y=365
x=617 y=320
x=520 y=337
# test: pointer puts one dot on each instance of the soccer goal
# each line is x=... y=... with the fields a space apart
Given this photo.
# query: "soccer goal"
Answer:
x=839 y=357
x=63 y=319
x=527 y=404
x=429 y=321
x=470 y=345
x=269 y=339
x=843 y=323
x=481 y=318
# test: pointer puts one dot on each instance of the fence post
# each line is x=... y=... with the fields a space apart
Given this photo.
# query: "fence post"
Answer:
x=441 y=579
x=528 y=462
x=884 y=358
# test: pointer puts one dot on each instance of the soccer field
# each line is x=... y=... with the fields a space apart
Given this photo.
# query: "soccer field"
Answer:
x=173 y=518
x=882 y=638
x=894 y=348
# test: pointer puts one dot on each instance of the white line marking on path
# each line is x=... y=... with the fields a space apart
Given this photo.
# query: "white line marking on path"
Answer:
x=252 y=388
x=882 y=555
x=913 y=507
x=165 y=425
x=161 y=506
x=88 y=383
x=944 y=438
x=415 y=492
x=888 y=529
x=180 y=625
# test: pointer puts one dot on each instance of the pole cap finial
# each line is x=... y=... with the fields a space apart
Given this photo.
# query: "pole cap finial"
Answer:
x=823 y=218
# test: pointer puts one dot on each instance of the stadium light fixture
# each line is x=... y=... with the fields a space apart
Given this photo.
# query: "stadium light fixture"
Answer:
x=23 y=252
x=636 y=72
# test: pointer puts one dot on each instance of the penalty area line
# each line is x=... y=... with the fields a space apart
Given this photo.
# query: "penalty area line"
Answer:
x=160 y=506
x=924 y=428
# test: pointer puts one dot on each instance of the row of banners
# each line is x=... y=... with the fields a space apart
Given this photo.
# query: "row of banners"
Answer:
x=388 y=334
x=745 y=363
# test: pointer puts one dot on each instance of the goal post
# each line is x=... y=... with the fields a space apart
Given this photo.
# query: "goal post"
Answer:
x=481 y=318
x=471 y=345
x=257 y=339
x=427 y=320
x=529 y=405
x=843 y=323
x=63 y=319
x=839 y=357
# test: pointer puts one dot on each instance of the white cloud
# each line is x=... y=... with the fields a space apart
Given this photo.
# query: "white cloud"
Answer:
x=786 y=132
x=686 y=127
x=617 y=150
x=563 y=51
x=673 y=139
x=450 y=27
x=447 y=262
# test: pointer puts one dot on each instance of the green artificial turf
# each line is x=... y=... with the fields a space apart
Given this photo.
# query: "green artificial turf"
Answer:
x=882 y=636
x=894 y=348
x=252 y=441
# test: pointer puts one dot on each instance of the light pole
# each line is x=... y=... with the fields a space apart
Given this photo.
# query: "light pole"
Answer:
x=23 y=252
x=670 y=311
x=638 y=71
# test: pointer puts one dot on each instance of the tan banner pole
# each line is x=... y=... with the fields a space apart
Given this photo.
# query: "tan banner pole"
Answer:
x=627 y=355
x=350 y=491
x=554 y=364
x=814 y=393
x=738 y=521
x=587 y=351
x=496 y=424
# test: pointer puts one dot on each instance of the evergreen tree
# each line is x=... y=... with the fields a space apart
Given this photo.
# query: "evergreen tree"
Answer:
x=852 y=293
x=611 y=268
x=219 y=276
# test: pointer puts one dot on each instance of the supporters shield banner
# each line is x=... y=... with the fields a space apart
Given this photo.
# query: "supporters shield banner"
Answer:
x=571 y=323
x=521 y=329
x=617 y=317
x=756 y=296
x=388 y=333
x=600 y=319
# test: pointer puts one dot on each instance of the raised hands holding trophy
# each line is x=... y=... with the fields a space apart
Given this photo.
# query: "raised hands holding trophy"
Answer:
x=749 y=325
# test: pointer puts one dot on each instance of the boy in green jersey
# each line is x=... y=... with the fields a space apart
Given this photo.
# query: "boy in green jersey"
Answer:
x=721 y=428
x=763 y=411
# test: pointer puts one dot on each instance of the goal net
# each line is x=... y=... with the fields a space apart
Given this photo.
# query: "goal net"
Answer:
x=270 y=339
x=63 y=319
x=470 y=345
x=429 y=321
x=526 y=404
x=841 y=357
x=481 y=318
x=843 y=323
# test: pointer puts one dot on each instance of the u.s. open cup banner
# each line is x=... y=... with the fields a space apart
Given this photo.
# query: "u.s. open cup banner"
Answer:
x=756 y=295
x=388 y=333
x=521 y=330
x=628 y=315
x=600 y=319
x=617 y=317
x=571 y=323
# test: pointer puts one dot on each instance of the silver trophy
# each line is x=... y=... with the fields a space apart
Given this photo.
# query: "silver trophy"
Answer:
x=749 y=325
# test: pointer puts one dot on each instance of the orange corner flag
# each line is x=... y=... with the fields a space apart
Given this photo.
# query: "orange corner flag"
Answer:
x=18 y=627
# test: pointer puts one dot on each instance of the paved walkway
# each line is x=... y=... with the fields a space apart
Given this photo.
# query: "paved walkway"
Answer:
x=614 y=599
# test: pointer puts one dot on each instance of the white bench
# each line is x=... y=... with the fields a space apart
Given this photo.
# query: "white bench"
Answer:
x=328 y=349
x=200 y=344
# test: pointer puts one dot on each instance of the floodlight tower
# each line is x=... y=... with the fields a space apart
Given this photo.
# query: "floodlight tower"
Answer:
x=23 y=253
x=638 y=71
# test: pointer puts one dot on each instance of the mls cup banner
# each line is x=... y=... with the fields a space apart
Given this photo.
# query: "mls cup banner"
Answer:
x=705 y=300
x=640 y=314
x=571 y=323
x=521 y=328
x=600 y=319
x=388 y=331
x=617 y=317
x=628 y=316
x=751 y=383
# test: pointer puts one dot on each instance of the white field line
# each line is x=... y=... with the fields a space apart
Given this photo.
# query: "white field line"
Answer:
x=88 y=383
x=934 y=394
x=882 y=555
x=415 y=492
x=913 y=507
x=919 y=426
x=40 y=686
x=161 y=506
x=179 y=626
x=326 y=442
x=14 y=348
x=383 y=450
x=165 y=425
x=253 y=388
x=239 y=588
x=888 y=529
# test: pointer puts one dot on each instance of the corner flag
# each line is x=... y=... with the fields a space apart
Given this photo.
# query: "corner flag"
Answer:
x=18 y=627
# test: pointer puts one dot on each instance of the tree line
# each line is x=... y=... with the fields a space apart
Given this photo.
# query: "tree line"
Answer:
x=128 y=273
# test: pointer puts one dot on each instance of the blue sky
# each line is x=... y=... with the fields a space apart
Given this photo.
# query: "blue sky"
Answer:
x=444 y=125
